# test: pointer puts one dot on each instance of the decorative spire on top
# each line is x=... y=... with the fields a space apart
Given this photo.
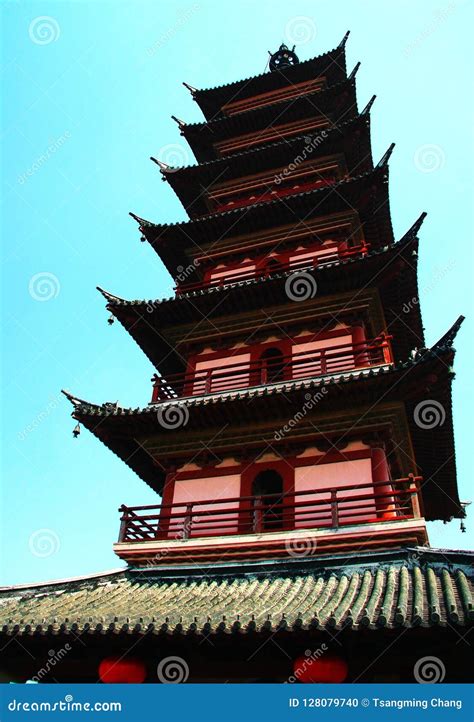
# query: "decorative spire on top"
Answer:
x=283 y=58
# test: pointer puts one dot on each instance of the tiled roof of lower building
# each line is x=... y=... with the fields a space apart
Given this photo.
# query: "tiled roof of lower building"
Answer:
x=408 y=588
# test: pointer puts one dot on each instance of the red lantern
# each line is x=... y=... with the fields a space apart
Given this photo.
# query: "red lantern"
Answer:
x=122 y=671
x=327 y=668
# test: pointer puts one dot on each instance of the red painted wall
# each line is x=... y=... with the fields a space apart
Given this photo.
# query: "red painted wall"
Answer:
x=357 y=465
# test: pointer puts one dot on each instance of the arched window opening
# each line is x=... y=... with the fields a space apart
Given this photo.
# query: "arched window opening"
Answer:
x=272 y=366
x=267 y=490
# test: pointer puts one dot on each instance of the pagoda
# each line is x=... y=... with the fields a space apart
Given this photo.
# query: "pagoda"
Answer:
x=299 y=432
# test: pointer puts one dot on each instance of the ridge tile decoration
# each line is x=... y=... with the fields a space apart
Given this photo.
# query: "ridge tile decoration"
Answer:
x=299 y=433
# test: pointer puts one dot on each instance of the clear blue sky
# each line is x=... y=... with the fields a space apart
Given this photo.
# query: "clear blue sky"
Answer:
x=96 y=83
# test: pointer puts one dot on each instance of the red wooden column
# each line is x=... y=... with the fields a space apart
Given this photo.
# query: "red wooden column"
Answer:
x=167 y=500
x=361 y=357
x=380 y=472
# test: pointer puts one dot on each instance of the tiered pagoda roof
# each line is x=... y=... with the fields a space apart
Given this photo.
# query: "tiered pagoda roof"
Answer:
x=330 y=66
x=350 y=137
x=336 y=103
x=220 y=574
x=147 y=320
x=414 y=588
x=124 y=430
x=164 y=329
x=367 y=194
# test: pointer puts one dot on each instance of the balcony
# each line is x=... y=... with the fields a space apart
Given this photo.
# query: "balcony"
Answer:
x=302 y=365
x=315 y=509
x=248 y=527
x=267 y=270
x=269 y=187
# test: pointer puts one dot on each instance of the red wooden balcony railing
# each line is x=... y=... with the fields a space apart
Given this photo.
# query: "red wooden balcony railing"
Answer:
x=265 y=195
x=325 y=508
x=306 y=172
x=304 y=364
x=264 y=271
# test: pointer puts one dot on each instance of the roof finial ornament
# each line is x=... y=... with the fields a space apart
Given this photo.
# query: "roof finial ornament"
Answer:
x=190 y=88
x=180 y=122
x=354 y=72
x=283 y=58
x=344 y=40
x=163 y=166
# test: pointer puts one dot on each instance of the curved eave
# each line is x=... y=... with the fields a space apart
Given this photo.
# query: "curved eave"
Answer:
x=217 y=599
x=366 y=193
x=331 y=65
x=351 y=139
x=337 y=102
x=394 y=267
x=240 y=158
x=428 y=376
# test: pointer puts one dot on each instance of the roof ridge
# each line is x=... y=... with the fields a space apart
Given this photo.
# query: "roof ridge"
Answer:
x=406 y=239
x=314 y=382
x=330 y=88
x=245 y=209
x=197 y=91
x=249 y=151
x=60 y=582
